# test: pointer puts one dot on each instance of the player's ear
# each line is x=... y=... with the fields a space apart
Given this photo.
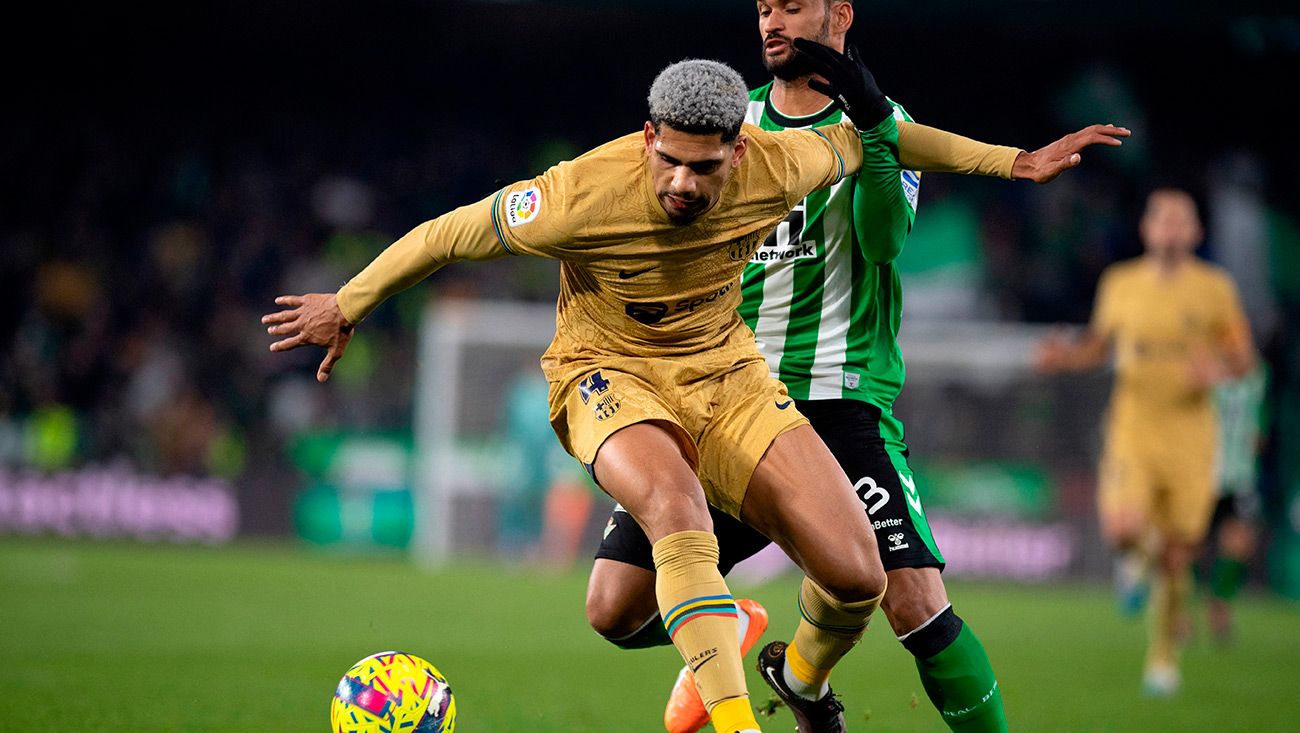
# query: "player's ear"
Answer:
x=841 y=17
x=738 y=151
x=649 y=137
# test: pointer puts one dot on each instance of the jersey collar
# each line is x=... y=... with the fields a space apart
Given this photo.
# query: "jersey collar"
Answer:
x=807 y=121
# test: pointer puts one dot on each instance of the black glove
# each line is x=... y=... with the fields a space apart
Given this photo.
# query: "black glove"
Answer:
x=852 y=87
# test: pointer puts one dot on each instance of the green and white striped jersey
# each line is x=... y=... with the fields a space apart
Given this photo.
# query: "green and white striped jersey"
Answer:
x=1240 y=407
x=824 y=316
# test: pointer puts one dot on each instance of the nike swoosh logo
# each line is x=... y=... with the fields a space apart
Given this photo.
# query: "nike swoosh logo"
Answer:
x=783 y=405
x=625 y=274
x=771 y=675
x=703 y=662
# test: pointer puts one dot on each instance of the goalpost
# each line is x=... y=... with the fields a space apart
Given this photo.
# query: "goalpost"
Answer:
x=468 y=350
x=1005 y=459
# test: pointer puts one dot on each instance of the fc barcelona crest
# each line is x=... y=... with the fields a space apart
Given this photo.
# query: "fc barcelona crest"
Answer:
x=594 y=391
x=741 y=248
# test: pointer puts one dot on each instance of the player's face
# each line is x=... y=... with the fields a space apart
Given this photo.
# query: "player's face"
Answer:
x=690 y=170
x=782 y=21
x=1170 y=226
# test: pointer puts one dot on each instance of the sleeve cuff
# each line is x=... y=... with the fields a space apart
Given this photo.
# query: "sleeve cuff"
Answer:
x=351 y=311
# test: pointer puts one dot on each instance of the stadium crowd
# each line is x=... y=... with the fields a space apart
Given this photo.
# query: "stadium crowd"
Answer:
x=136 y=259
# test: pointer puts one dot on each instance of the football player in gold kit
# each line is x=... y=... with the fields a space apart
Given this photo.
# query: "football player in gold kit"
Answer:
x=656 y=384
x=1175 y=326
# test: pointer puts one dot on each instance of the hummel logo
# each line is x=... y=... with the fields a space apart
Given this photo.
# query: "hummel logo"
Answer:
x=625 y=274
x=783 y=405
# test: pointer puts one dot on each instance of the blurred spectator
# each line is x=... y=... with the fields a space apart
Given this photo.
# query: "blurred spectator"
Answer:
x=154 y=202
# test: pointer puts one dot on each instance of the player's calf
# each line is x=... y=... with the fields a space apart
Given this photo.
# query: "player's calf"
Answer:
x=685 y=712
x=956 y=674
x=700 y=616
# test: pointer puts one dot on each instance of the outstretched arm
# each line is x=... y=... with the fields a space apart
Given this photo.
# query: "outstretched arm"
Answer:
x=1048 y=162
x=328 y=319
x=1061 y=352
x=929 y=149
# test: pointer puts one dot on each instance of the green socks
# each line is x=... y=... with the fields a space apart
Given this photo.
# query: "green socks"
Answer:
x=956 y=674
x=1227 y=577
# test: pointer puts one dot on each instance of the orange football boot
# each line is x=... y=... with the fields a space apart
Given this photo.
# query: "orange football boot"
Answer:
x=685 y=711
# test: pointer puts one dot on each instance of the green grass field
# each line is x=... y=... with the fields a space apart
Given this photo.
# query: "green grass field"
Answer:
x=112 y=637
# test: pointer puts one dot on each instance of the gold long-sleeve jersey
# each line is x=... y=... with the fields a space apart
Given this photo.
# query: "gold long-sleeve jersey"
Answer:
x=632 y=282
x=1157 y=325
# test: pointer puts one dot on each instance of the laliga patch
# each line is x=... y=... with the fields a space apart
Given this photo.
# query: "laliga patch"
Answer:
x=911 y=187
x=523 y=206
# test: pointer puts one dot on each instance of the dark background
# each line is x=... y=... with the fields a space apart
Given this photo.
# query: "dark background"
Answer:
x=163 y=171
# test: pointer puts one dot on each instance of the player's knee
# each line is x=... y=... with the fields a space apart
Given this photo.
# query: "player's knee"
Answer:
x=675 y=511
x=856 y=580
x=1176 y=557
x=1237 y=540
x=1123 y=533
x=609 y=616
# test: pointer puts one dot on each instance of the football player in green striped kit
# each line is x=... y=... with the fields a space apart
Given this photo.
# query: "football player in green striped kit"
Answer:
x=823 y=298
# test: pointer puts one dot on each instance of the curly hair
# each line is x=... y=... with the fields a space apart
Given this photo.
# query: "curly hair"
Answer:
x=700 y=97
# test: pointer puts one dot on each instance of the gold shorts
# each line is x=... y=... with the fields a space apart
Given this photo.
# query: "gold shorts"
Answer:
x=1169 y=483
x=726 y=412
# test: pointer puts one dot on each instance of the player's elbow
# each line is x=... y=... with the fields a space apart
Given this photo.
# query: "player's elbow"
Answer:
x=881 y=231
x=884 y=251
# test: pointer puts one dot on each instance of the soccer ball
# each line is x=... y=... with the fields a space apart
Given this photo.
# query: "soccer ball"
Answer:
x=393 y=692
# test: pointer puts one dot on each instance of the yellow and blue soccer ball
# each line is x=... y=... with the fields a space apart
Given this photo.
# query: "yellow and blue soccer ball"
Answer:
x=393 y=692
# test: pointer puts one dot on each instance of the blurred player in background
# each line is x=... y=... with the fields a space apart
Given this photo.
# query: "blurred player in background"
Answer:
x=824 y=299
x=1233 y=528
x=1176 y=328
x=656 y=384
x=545 y=505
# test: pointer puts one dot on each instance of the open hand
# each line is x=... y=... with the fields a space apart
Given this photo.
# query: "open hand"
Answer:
x=1052 y=354
x=1048 y=162
x=1205 y=369
x=313 y=319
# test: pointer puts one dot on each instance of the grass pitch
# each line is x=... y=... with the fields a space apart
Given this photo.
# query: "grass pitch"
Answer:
x=112 y=637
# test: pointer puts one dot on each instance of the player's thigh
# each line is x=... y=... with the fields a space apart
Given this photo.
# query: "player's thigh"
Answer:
x=643 y=467
x=590 y=403
x=739 y=415
x=867 y=443
x=610 y=416
x=800 y=498
x=1125 y=494
x=1187 y=493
